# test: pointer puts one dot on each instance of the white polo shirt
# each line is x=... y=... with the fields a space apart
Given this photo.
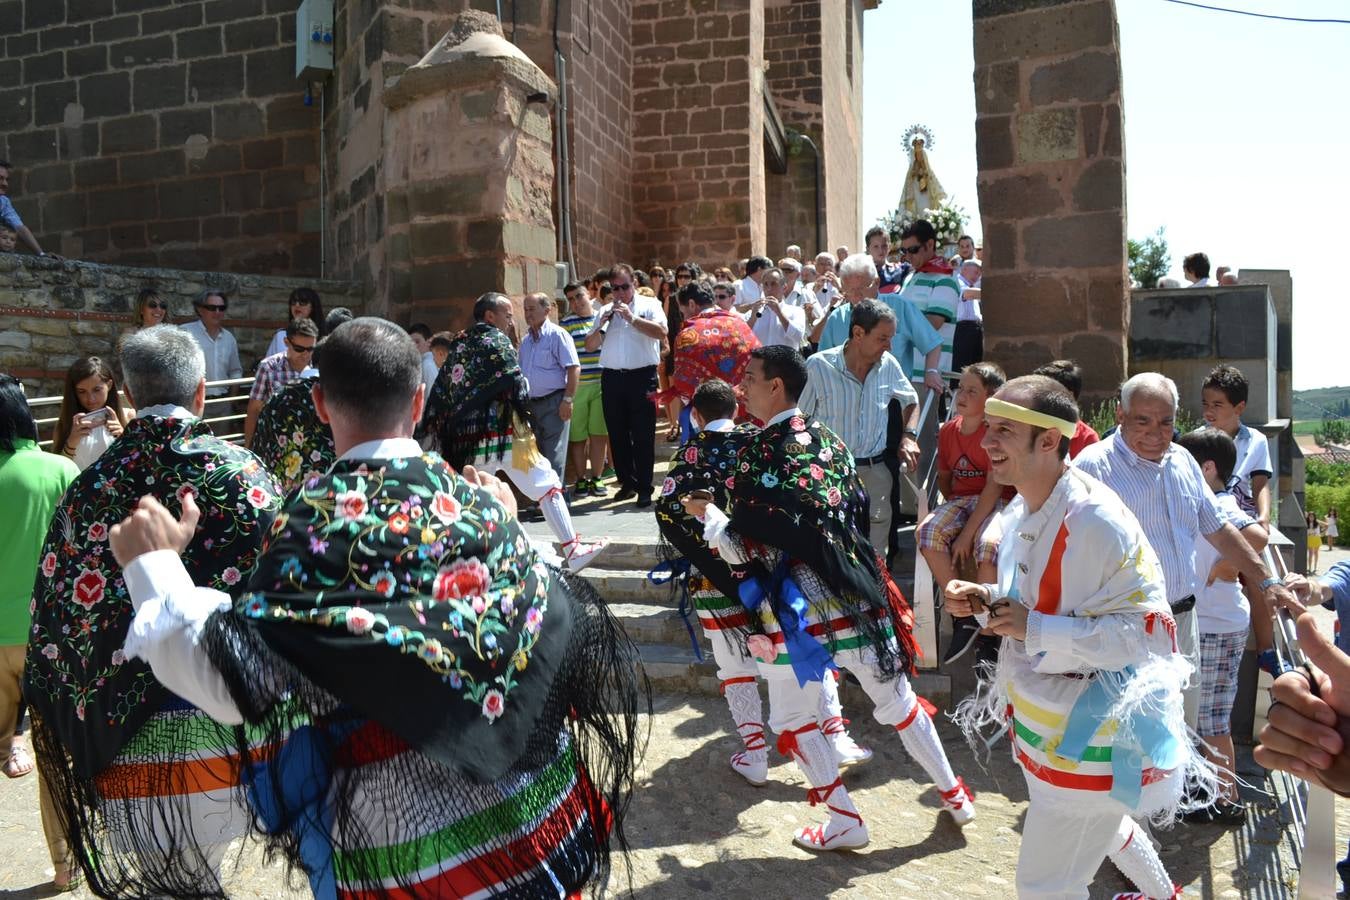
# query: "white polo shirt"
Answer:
x=624 y=346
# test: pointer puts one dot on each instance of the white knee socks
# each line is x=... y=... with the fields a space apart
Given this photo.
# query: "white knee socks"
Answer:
x=1138 y=861
x=921 y=741
x=747 y=712
x=556 y=515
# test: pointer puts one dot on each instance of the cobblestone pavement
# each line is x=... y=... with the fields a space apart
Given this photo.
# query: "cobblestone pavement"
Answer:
x=696 y=828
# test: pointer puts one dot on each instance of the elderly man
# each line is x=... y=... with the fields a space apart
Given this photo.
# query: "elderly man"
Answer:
x=628 y=334
x=478 y=415
x=849 y=388
x=218 y=345
x=714 y=343
x=825 y=281
x=773 y=319
x=913 y=333
x=442 y=715
x=548 y=359
x=143 y=779
x=1163 y=486
x=750 y=289
x=279 y=370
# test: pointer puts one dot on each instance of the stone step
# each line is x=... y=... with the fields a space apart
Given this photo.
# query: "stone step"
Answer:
x=627 y=586
x=673 y=669
x=653 y=623
x=628 y=553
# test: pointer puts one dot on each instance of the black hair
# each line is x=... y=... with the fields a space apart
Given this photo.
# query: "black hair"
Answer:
x=369 y=370
x=336 y=316
x=868 y=314
x=757 y=263
x=310 y=296
x=698 y=293
x=874 y=231
x=921 y=229
x=1231 y=381
x=1197 y=264
x=16 y=418
x=443 y=340
x=1046 y=395
x=1212 y=445
x=641 y=279
x=715 y=399
x=602 y=275
x=485 y=304
x=425 y=330
x=1066 y=372
x=695 y=271
x=302 y=328
x=785 y=363
x=571 y=286
x=965 y=237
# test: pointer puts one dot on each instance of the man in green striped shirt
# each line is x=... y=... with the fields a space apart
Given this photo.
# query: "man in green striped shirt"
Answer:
x=589 y=439
x=933 y=290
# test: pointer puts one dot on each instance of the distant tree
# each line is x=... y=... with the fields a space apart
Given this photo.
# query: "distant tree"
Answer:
x=1149 y=259
x=1333 y=431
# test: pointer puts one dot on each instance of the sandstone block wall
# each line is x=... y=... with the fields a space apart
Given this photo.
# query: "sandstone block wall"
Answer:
x=1052 y=186
x=161 y=132
x=53 y=312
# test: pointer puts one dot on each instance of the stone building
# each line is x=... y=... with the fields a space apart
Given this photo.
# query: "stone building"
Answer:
x=174 y=133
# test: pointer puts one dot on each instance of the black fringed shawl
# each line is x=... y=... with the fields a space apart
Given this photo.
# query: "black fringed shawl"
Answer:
x=290 y=440
x=476 y=397
x=397 y=595
x=92 y=707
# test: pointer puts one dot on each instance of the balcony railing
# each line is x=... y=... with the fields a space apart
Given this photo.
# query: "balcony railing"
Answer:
x=225 y=421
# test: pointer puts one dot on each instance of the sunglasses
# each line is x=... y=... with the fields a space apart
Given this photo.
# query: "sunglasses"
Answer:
x=621 y=287
x=298 y=348
x=215 y=307
x=155 y=304
x=911 y=250
x=722 y=296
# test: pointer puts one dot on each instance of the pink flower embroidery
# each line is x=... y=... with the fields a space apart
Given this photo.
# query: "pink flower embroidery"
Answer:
x=796 y=423
x=494 y=704
x=230 y=575
x=667 y=487
x=258 y=498
x=533 y=619
x=359 y=621
x=826 y=455
x=691 y=455
x=817 y=472
x=89 y=587
x=446 y=508
x=832 y=496
x=350 y=505
x=98 y=532
x=118 y=657
x=731 y=482
x=463 y=578
x=51 y=652
x=456 y=373
x=49 y=565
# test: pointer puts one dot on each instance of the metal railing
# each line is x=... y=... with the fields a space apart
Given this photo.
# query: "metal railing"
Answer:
x=225 y=421
x=925 y=605
x=1312 y=808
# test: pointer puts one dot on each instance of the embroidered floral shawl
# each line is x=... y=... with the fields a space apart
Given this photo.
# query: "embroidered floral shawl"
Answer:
x=716 y=343
x=479 y=390
x=290 y=440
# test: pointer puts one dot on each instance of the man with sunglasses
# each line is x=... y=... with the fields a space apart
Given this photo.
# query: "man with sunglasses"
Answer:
x=628 y=334
x=279 y=370
x=935 y=292
x=218 y=345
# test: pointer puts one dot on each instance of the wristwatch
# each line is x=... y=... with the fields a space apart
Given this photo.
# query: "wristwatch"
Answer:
x=1270 y=583
x=911 y=434
x=567 y=399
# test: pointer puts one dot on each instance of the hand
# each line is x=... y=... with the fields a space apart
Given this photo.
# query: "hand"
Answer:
x=908 y=451
x=493 y=485
x=965 y=598
x=565 y=410
x=1302 y=588
x=81 y=425
x=151 y=527
x=933 y=381
x=963 y=547
x=695 y=506
x=1279 y=595
x=1009 y=619
x=1307 y=735
x=114 y=427
x=1222 y=571
x=625 y=311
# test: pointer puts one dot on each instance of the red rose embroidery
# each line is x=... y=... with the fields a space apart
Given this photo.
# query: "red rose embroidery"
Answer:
x=398 y=523
x=445 y=507
x=463 y=578
x=350 y=505
x=49 y=565
x=832 y=496
x=494 y=704
x=817 y=472
x=796 y=423
x=98 y=532
x=258 y=498
x=185 y=491
x=89 y=587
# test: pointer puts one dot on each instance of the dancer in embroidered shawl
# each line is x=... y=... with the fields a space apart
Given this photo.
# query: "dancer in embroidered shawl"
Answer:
x=1088 y=682
x=476 y=415
x=443 y=715
x=799 y=520
x=290 y=440
x=707 y=463
x=142 y=781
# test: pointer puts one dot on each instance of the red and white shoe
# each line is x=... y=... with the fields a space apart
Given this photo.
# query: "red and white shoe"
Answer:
x=960 y=802
x=752 y=765
x=1136 y=895
x=846 y=750
x=579 y=555
x=843 y=831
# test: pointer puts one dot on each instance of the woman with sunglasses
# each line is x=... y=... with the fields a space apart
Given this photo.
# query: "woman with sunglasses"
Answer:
x=303 y=304
x=151 y=310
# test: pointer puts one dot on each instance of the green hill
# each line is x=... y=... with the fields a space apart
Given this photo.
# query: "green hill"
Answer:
x=1332 y=402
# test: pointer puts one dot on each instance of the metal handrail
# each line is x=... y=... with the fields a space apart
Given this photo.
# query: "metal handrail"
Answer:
x=1314 y=823
x=235 y=432
x=925 y=492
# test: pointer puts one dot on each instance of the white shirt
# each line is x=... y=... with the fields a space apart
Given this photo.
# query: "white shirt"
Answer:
x=1221 y=607
x=429 y=369
x=968 y=310
x=770 y=330
x=803 y=297
x=624 y=346
x=221 y=352
x=747 y=291
x=171 y=612
x=1203 y=282
x=166 y=410
x=278 y=344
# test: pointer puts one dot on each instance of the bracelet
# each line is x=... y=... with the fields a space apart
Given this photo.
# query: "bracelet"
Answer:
x=926 y=371
x=1269 y=583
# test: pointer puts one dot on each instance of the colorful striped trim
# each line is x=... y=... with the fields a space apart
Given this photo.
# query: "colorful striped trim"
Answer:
x=1077 y=782
x=1048 y=594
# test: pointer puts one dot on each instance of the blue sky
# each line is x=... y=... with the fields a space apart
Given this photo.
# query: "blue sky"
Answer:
x=1236 y=139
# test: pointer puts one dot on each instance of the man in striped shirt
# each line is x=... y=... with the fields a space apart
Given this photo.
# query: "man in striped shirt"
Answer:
x=1163 y=486
x=588 y=440
x=933 y=290
x=849 y=388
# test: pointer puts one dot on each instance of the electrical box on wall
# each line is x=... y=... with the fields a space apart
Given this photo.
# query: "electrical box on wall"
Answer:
x=314 y=40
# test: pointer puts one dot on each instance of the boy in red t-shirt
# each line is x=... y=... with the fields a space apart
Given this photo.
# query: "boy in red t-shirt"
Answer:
x=1067 y=373
x=954 y=531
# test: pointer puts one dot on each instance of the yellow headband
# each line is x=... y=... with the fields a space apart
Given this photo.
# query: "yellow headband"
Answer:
x=1005 y=410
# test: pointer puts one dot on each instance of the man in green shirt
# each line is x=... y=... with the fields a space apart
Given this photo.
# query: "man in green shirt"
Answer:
x=31 y=485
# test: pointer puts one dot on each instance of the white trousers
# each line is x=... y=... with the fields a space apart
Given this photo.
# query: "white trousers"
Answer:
x=791 y=705
x=1062 y=849
x=534 y=482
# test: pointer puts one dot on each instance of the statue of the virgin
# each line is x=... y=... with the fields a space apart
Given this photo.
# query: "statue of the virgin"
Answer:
x=922 y=190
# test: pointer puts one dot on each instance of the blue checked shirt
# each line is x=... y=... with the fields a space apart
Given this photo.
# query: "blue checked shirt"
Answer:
x=854 y=410
x=8 y=214
x=1170 y=499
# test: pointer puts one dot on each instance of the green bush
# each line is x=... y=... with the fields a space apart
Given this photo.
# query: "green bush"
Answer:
x=1103 y=417
x=1322 y=497
x=1334 y=474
